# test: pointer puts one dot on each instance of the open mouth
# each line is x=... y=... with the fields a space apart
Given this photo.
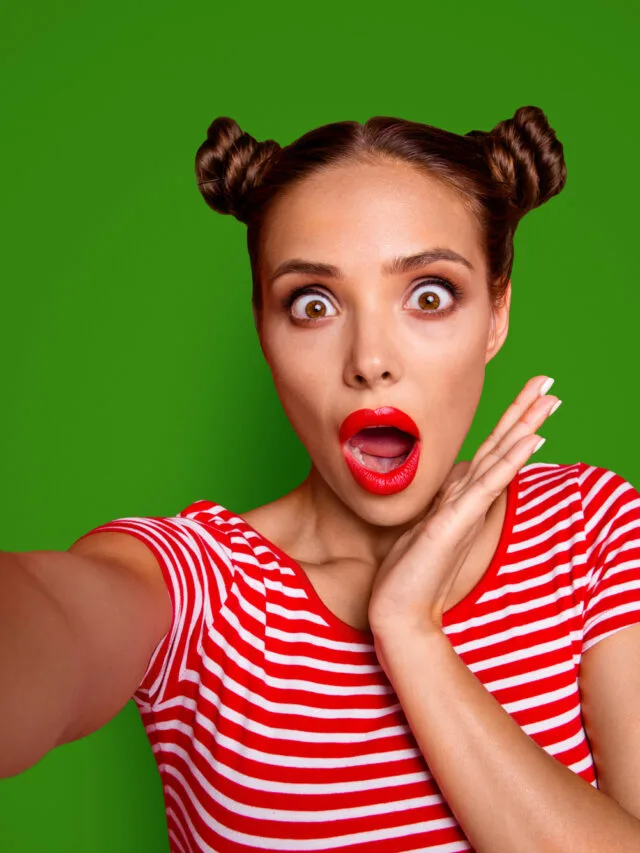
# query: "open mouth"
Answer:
x=381 y=448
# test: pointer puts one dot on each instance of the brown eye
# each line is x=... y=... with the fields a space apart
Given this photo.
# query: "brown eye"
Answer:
x=432 y=296
x=310 y=306
x=315 y=308
x=429 y=300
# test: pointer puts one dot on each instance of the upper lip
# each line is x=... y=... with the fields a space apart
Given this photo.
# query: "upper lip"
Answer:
x=384 y=416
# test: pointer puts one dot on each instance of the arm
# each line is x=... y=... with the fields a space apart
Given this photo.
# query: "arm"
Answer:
x=610 y=688
x=480 y=757
x=76 y=632
x=507 y=792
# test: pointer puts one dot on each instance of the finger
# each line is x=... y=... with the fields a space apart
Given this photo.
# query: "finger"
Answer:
x=474 y=502
x=528 y=397
x=453 y=526
x=527 y=425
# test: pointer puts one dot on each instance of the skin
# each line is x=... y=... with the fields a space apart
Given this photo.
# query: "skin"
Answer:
x=377 y=347
x=407 y=552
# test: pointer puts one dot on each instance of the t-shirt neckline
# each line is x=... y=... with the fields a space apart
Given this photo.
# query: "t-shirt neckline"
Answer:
x=454 y=613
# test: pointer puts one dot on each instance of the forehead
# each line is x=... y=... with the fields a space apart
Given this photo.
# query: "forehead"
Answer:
x=365 y=213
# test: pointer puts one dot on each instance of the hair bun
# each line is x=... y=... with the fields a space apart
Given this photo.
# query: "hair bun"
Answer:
x=229 y=164
x=526 y=156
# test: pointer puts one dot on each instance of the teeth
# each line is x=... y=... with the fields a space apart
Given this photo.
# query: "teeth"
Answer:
x=379 y=464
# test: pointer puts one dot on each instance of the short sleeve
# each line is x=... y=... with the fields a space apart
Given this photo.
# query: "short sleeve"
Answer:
x=612 y=526
x=193 y=551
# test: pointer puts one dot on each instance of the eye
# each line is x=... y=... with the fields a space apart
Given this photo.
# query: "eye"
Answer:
x=432 y=294
x=305 y=303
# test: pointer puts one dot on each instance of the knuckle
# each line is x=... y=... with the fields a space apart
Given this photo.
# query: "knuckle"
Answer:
x=492 y=489
x=495 y=452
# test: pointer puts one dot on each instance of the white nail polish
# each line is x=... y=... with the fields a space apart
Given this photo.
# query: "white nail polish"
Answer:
x=546 y=386
x=539 y=444
x=554 y=408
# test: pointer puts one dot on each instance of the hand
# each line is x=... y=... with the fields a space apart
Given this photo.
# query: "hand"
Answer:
x=412 y=584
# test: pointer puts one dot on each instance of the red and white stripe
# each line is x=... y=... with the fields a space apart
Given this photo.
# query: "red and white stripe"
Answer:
x=275 y=728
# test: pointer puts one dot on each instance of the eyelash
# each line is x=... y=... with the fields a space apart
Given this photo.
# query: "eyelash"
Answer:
x=306 y=289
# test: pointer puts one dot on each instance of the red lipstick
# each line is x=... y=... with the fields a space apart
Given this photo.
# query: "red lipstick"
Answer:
x=378 y=482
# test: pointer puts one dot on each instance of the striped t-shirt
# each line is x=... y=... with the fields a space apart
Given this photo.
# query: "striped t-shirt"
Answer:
x=274 y=726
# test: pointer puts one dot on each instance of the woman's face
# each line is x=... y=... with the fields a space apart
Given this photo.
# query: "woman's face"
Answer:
x=366 y=336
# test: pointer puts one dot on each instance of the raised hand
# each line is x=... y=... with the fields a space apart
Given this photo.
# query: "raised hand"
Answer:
x=413 y=582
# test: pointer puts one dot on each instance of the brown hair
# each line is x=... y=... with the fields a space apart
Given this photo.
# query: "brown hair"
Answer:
x=501 y=173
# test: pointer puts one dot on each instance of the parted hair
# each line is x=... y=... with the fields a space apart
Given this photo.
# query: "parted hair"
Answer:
x=501 y=174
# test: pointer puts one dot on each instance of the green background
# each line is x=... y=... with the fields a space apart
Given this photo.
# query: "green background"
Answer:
x=131 y=373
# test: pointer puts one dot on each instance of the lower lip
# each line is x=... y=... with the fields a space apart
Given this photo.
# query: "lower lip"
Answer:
x=384 y=484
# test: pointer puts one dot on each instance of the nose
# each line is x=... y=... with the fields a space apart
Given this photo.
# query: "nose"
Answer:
x=373 y=358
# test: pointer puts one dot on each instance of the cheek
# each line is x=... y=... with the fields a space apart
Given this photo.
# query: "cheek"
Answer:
x=305 y=394
x=464 y=391
x=297 y=364
x=451 y=376
x=449 y=357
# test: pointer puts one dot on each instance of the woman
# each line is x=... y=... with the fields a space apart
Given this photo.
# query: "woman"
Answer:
x=403 y=653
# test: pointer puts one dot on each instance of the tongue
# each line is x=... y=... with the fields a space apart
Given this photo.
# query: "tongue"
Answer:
x=383 y=441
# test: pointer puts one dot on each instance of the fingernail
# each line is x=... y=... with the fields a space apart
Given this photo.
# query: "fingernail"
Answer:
x=539 y=444
x=549 y=382
x=555 y=407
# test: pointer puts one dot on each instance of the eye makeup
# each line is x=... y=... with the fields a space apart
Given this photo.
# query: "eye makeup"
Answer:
x=456 y=291
x=291 y=297
x=310 y=289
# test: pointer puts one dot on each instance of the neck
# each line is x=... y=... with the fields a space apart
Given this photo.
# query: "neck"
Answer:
x=327 y=530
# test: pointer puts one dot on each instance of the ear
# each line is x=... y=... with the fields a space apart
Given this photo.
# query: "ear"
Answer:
x=499 y=325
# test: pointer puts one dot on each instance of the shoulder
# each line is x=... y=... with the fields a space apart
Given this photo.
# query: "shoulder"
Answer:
x=538 y=478
x=207 y=518
x=207 y=512
x=246 y=547
x=593 y=486
x=201 y=532
x=571 y=513
x=547 y=495
x=611 y=507
x=605 y=494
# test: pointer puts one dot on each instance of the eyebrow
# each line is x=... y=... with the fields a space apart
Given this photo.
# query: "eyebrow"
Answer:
x=394 y=267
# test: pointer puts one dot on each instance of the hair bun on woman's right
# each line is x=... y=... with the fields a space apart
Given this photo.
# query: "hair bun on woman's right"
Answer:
x=229 y=165
x=526 y=156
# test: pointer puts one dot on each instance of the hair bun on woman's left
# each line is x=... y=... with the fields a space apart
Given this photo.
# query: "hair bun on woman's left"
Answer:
x=229 y=165
x=526 y=156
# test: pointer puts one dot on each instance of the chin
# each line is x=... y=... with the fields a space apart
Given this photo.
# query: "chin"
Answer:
x=403 y=508
x=394 y=498
x=391 y=516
